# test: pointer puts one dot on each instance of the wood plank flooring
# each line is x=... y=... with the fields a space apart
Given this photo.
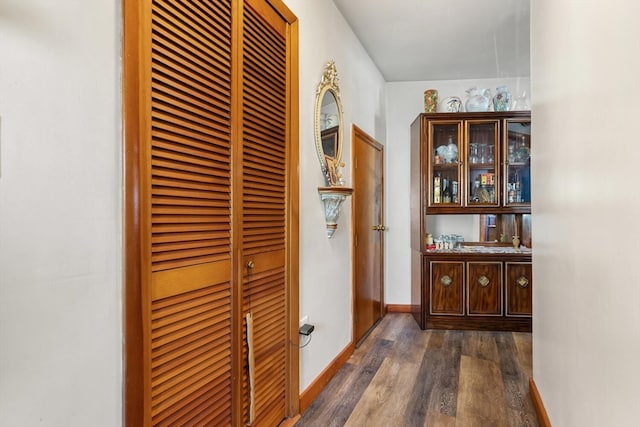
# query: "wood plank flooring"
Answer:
x=403 y=376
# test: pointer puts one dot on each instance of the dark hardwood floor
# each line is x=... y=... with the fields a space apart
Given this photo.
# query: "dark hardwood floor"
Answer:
x=403 y=376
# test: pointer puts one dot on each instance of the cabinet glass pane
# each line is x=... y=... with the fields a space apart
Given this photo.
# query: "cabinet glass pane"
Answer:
x=517 y=164
x=446 y=166
x=481 y=160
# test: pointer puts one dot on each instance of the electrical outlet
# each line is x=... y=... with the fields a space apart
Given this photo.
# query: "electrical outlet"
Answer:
x=306 y=329
x=304 y=320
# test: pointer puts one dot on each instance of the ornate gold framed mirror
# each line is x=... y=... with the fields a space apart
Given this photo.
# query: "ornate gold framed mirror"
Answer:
x=329 y=129
x=329 y=126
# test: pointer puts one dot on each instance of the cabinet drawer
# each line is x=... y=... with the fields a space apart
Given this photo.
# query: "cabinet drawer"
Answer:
x=484 y=288
x=519 y=288
x=447 y=288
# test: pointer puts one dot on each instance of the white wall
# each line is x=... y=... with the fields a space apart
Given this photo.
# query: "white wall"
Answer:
x=325 y=264
x=586 y=210
x=405 y=100
x=60 y=226
x=60 y=201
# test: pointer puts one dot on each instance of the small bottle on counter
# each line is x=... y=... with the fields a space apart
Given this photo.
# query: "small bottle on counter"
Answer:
x=429 y=244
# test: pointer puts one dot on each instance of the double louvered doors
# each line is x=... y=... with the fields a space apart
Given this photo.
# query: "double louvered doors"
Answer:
x=211 y=196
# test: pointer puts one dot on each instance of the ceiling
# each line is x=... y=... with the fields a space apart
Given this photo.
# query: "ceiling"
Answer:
x=415 y=40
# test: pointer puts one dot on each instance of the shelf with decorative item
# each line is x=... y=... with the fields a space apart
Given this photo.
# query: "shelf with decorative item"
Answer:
x=332 y=198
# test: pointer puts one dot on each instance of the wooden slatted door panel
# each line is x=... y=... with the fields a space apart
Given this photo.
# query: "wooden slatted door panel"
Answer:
x=189 y=346
x=264 y=208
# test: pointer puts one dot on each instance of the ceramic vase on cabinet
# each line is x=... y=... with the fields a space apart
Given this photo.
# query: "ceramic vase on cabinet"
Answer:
x=430 y=100
x=451 y=104
x=516 y=242
x=479 y=99
x=502 y=100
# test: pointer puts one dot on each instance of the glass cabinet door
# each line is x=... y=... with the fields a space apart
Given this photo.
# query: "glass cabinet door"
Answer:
x=517 y=156
x=445 y=152
x=482 y=175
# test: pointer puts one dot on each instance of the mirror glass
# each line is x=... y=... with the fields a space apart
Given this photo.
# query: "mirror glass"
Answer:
x=328 y=126
x=488 y=228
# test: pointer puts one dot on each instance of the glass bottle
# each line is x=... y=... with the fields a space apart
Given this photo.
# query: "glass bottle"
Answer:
x=473 y=152
x=454 y=191
x=446 y=195
x=474 y=191
x=436 y=189
x=521 y=102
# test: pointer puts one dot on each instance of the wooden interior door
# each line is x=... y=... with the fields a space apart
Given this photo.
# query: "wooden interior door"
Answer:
x=210 y=90
x=263 y=231
x=186 y=206
x=369 y=233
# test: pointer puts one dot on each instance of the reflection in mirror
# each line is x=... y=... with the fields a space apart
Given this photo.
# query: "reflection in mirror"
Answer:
x=330 y=142
x=485 y=228
x=328 y=126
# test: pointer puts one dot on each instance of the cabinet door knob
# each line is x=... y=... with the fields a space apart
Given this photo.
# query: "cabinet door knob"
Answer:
x=446 y=281
x=250 y=265
x=522 y=281
x=379 y=227
x=483 y=281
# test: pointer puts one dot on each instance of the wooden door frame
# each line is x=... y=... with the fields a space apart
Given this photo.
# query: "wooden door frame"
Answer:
x=133 y=133
x=356 y=131
x=133 y=346
x=293 y=220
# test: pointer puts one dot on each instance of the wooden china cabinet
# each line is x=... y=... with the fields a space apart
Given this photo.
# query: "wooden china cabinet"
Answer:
x=477 y=165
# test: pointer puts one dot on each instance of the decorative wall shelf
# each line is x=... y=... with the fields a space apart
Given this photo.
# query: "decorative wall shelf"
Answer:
x=332 y=197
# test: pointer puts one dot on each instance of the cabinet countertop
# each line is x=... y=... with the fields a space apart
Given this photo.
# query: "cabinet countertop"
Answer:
x=482 y=250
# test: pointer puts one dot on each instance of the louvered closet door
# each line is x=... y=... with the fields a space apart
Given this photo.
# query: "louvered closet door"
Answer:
x=188 y=350
x=264 y=157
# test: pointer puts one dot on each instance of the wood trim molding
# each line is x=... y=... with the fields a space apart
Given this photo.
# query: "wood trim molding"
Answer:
x=290 y=422
x=538 y=406
x=133 y=379
x=398 y=308
x=314 y=389
x=293 y=212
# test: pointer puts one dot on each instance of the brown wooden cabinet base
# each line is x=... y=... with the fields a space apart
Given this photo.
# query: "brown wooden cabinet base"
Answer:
x=479 y=324
x=473 y=291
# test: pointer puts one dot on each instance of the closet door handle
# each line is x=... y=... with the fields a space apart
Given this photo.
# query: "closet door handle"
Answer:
x=250 y=265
